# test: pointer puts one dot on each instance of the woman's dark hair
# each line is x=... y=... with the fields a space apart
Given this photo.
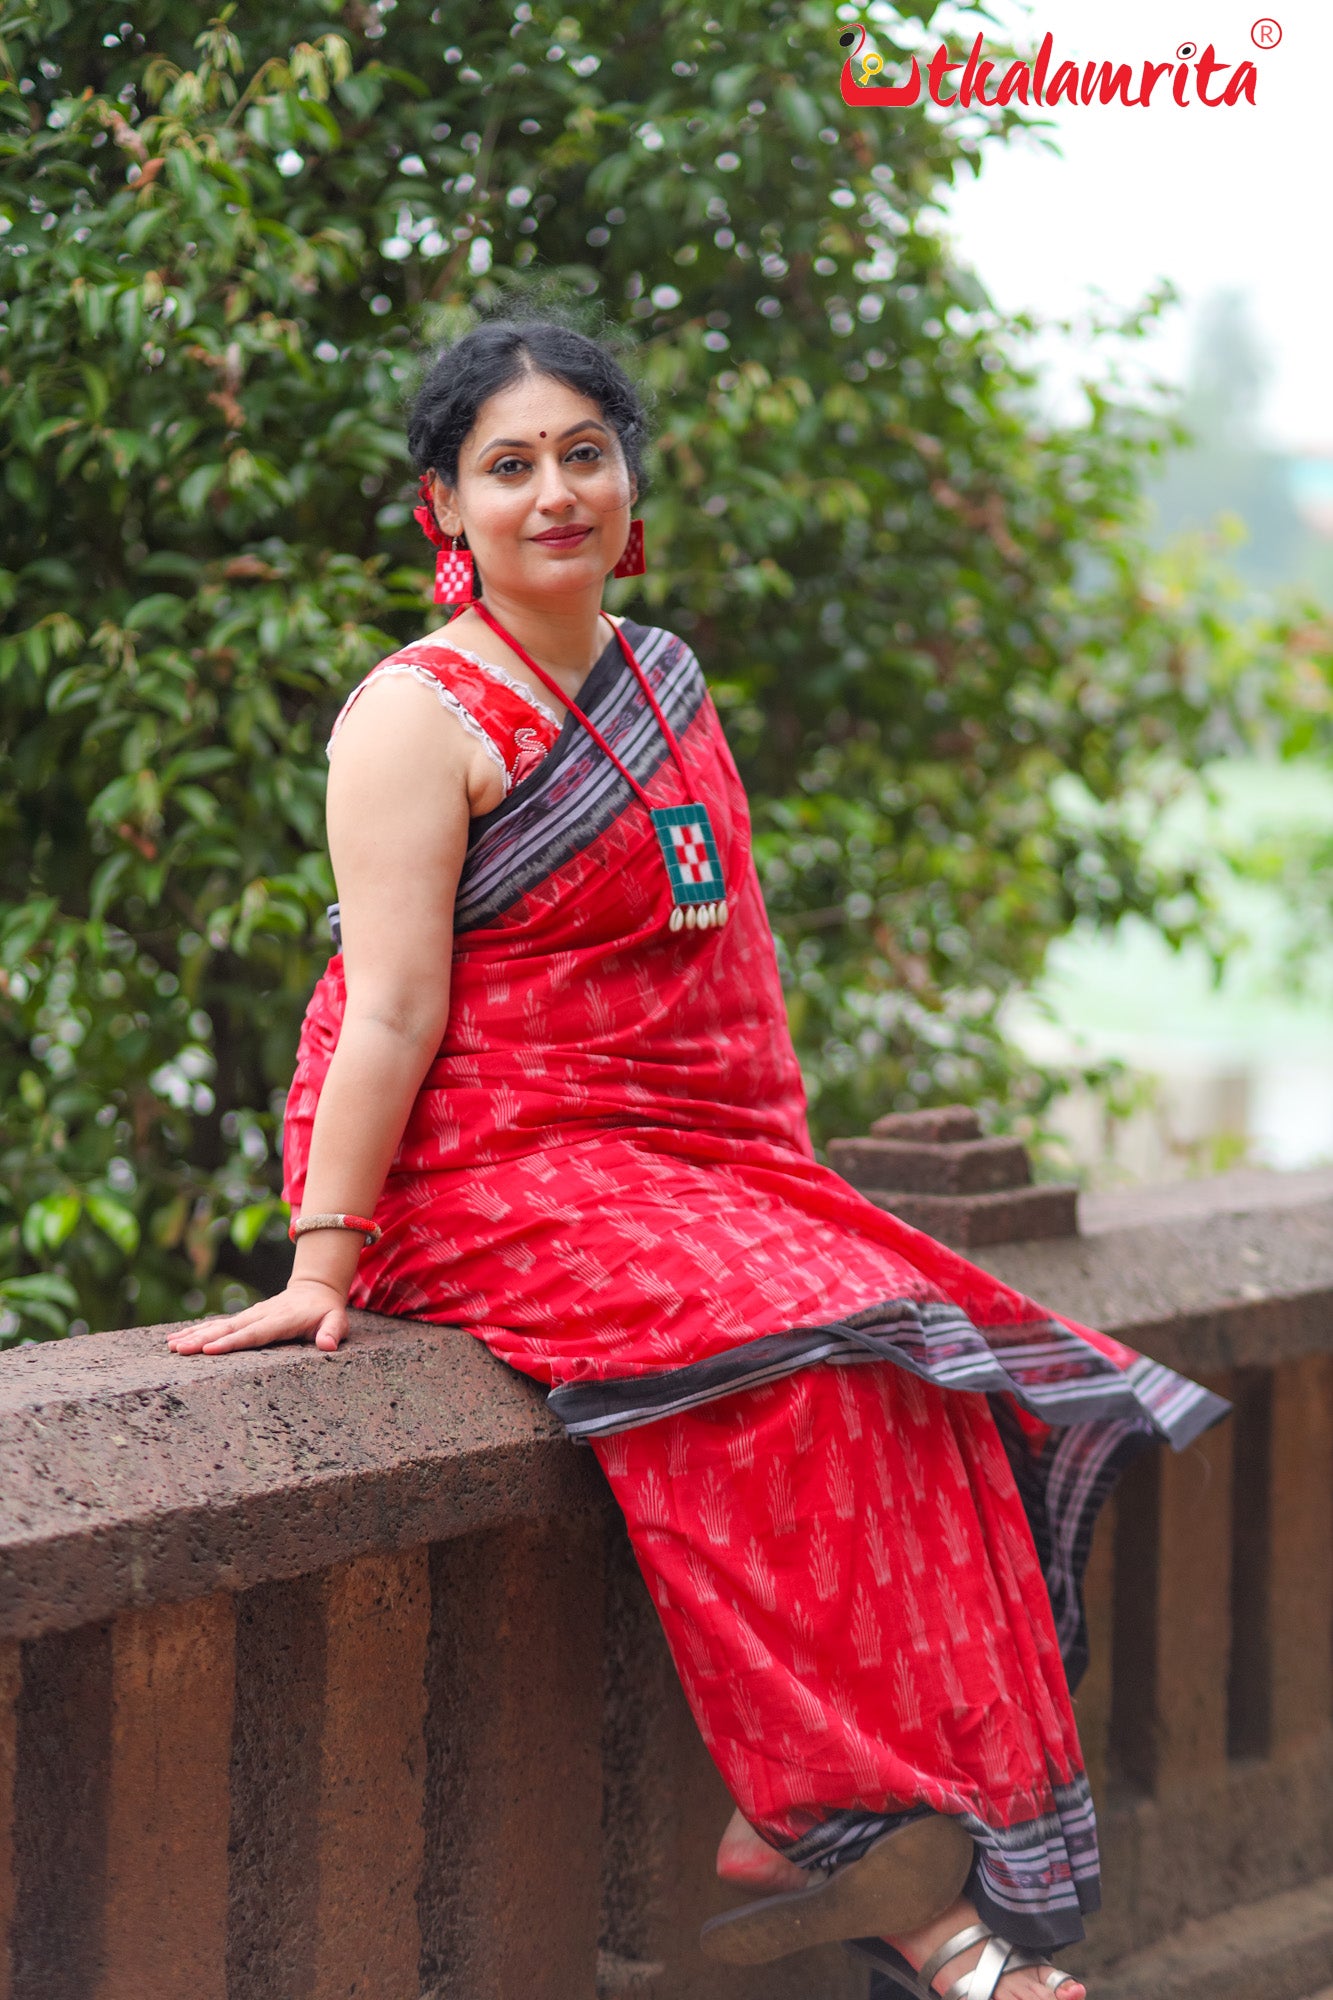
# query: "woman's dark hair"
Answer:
x=497 y=354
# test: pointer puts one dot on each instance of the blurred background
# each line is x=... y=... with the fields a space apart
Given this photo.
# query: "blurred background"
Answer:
x=1232 y=212
x=992 y=483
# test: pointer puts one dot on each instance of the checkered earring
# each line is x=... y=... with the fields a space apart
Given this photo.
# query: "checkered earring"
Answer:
x=455 y=570
x=632 y=562
x=455 y=573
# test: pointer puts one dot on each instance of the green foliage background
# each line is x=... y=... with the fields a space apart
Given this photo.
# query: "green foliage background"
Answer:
x=223 y=256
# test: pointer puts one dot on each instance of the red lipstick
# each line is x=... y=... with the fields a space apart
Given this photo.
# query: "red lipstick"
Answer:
x=563 y=538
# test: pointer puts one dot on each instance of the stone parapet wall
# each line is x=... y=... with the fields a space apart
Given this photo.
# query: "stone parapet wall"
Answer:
x=134 y=1475
x=333 y=1676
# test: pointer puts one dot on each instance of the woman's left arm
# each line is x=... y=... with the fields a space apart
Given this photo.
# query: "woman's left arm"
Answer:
x=398 y=815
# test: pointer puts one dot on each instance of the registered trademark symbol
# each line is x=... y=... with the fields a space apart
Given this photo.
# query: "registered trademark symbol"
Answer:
x=1266 y=33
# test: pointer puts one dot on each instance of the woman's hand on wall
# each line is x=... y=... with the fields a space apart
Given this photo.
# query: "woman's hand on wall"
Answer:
x=309 y=1309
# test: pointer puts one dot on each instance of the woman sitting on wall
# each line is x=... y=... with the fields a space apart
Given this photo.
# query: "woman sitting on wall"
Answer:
x=545 y=1091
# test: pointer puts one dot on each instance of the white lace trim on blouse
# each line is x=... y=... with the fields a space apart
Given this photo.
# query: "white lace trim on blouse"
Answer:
x=447 y=700
x=506 y=679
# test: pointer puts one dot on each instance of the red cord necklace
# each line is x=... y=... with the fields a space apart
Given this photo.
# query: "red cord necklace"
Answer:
x=685 y=833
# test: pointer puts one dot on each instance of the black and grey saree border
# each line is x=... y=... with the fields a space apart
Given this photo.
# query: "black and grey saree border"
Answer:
x=1051 y=1371
x=1034 y=1882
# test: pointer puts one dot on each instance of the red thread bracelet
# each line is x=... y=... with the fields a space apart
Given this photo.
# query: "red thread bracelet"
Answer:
x=305 y=1223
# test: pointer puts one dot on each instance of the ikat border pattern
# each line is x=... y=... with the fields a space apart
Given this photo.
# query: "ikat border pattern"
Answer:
x=1045 y=1870
x=1051 y=1371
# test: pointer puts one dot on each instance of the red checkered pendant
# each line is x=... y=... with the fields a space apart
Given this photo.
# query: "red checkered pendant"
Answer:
x=694 y=868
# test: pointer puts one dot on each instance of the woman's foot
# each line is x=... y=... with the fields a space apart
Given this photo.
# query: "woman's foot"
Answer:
x=1028 y=1984
x=749 y=1862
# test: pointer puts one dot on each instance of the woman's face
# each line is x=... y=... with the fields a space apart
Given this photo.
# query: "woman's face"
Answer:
x=543 y=493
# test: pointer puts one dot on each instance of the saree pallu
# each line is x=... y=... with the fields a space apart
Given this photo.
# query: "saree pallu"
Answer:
x=860 y=1475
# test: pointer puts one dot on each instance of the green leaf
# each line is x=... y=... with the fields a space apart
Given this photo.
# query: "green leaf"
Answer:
x=169 y=562
x=114 y=1220
x=198 y=763
x=199 y=804
x=49 y=1222
x=799 y=109
x=163 y=612
x=168 y=1223
x=98 y=390
x=195 y=490
x=106 y=882
x=47 y=1285
x=247 y=1225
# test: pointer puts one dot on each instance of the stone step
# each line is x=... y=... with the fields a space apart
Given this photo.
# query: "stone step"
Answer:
x=959 y=1166
x=935 y=1171
x=1277 y=1949
x=929 y=1128
x=970 y=1222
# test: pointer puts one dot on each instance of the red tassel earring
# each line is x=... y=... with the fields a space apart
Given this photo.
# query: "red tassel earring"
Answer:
x=632 y=562
x=455 y=570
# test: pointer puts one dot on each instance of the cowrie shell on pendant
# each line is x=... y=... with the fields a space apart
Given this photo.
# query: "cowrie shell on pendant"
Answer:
x=722 y=913
x=705 y=915
x=691 y=917
x=677 y=919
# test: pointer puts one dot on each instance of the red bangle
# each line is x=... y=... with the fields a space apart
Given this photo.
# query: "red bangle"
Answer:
x=370 y=1230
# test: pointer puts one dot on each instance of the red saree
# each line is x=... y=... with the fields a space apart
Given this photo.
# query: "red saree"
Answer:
x=859 y=1474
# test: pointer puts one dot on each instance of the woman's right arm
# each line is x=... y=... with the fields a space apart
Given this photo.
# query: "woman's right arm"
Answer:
x=398 y=809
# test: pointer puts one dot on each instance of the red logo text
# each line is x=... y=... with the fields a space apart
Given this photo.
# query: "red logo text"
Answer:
x=1195 y=77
